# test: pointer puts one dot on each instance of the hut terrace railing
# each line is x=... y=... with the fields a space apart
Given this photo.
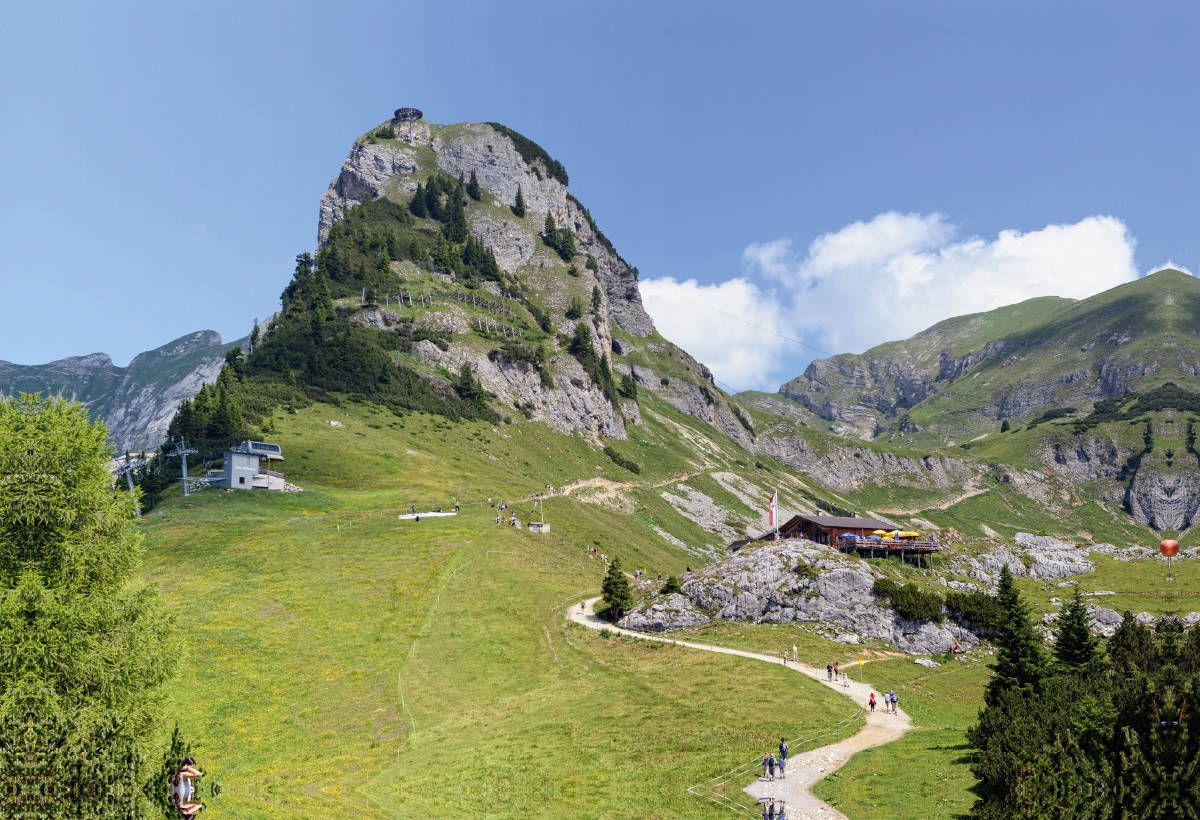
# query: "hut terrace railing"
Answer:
x=893 y=546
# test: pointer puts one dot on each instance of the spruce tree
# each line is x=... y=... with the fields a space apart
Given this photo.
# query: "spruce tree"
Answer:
x=417 y=206
x=1075 y=650
x=456 y=227
x=1020 y=663
x=1131 y=648
x=575 y=308
x=596 y=298
x=518 y=207
x=616 y=591
x=473 y=189
x=566 y=244
x=550 y=231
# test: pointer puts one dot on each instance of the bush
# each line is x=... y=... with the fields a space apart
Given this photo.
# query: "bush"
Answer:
x=976 y=608
x=909 y=600
x=592 y=264
x=671 y=586
x=745 y=422
x=386 y=133
x=621 y=461
x=575 y=309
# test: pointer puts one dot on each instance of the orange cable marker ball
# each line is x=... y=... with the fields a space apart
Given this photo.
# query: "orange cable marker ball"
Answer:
x=1169 y=547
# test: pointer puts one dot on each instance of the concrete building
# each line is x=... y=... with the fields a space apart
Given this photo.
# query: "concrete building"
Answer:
x=244 y=470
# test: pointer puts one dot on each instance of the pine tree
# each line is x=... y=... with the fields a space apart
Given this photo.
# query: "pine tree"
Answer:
x=671 y=586
x=596 y=298
x=616 y=591
x=628 y=387
x=1131 y=648
x=566 y=244
x=417 y=206
x=473 y=189
x=1020 y=663
x=254 y=336
x=575 y=308
x=518 y=207
x=550 y=231
x=456 y=227
x=1075 y=650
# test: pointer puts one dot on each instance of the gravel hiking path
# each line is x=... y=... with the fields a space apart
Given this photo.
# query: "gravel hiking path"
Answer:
x=806 y=768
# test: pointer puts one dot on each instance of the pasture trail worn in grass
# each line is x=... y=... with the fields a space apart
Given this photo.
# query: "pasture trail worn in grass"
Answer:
x=804 y=769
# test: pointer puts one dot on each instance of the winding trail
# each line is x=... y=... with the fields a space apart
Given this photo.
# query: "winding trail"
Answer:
x=809 y=767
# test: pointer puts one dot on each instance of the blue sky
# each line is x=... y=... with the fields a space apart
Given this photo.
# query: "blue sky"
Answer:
x=162 y=163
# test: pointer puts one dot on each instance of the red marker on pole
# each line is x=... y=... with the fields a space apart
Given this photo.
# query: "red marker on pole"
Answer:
x=1169 y=548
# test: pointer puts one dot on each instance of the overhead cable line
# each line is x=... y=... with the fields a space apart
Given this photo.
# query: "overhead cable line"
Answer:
x=738 y=318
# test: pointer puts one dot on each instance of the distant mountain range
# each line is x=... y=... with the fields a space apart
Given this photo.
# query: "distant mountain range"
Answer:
x=137 y=402
x=964 y=377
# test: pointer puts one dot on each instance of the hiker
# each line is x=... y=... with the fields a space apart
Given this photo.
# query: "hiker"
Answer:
x=783 y=748
x=845 y=680
x=660 y=576
x=418 y=519
x=771 y=766
x=872 y=702
x=782 y=767
x=769 y=810
x=892 y=700
x=785 y=657
x=835 y=670
x=780 y=815
x=765 y=756
x=829 y=671
x=581 y=606
x=895 y=701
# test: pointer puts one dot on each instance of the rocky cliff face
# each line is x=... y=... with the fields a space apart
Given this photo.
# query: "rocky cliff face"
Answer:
x=393 y=169
x=795 y=581
x=136 y=402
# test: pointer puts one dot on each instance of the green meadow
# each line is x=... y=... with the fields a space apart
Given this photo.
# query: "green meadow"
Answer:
x=342 y=662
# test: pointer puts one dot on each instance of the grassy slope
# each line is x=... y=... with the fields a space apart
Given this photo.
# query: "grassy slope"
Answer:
x=298 y=630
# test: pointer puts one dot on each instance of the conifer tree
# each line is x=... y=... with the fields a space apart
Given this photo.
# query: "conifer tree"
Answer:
x=1020 y=663
x=566 y=244
x=596 y=298
x=417 y=206
x=473 y=189
x=456 y=227
x=575 y=308
x=518 y=207
x=1131 y=648
x=616 y=591
x=254 y=336
x=550 y=231
x=592 y=264
x=1075 y=650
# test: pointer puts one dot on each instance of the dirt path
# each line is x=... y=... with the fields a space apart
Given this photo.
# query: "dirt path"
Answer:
x=804 y=769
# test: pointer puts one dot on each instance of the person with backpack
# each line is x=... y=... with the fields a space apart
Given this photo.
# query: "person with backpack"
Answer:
x=783 y=748
x=771 y=766
x=895 y=701
x=766 y=755
x=782 y=763
x=871 y=703
x=829 y=671
x=891 y=700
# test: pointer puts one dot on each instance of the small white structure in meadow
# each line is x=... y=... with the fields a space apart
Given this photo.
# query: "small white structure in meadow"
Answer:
x=244 y=471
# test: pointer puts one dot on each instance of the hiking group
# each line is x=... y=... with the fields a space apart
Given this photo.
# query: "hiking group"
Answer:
x=771 y=765
x=836 y=675
x=889 y=702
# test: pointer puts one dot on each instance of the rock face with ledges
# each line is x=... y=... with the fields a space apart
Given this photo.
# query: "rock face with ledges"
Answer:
x=799 y=581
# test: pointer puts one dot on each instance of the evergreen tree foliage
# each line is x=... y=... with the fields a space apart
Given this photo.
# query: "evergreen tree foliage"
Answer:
x=616 y=591
x=592 y=264
x=456 y=228
x=1020 y=662
x=518 y=207
x=671 y=586
x=550 y=230
x=473 y=189
x=597 y=298
x=594 y=365
x=1075 y=650
x=575 y=308
x=1131 y=648
x=254 y=335
x=628 y=387
x=417 y=205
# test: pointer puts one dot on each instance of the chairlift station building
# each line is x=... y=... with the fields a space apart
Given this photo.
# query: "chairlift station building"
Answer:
x=244 y=471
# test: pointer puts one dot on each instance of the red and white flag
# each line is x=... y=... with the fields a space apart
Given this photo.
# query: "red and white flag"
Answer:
x=771 y=508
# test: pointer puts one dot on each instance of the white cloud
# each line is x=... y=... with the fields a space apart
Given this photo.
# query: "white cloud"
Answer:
x=1169 y=265
x=879 y=281
x=738 y=354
